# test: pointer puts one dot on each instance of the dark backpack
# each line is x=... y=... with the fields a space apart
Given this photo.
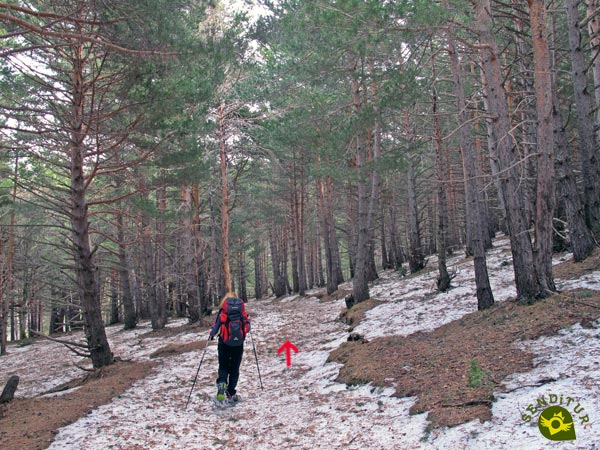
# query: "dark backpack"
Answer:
x=233 y=322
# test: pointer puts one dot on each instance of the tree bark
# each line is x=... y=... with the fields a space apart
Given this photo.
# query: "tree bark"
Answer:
x=259 y=289
x=4 y=302
x=594 y=32
x=150 y=281
x=320 y=279
x=129 y=315
x=375 y=181
x=224 y=202
x=396 y=248
x=115 y=317
x=215 y=272
x=443 y=280
x=298 y=195
x=161 y=259
x=589 y=155
x=277 y=263
x=242 y=286
x=582 y=243
x=87 y=282
x=360 y=287
x=336 y=268
x=416 y=259
x=527 y=284
x=475 y=220
x=328 y=235
x=385 y=255
x=545 y=200
x=189 y=256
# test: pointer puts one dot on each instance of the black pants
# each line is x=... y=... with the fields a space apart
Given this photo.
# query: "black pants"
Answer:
x=230 y=359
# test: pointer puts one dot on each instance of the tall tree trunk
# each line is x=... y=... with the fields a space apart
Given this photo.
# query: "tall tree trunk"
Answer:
x=545 y=200
x=277 y=263
x=201 y=249
x=589 y=155
x=375 y=181
x=336 y=268
x=320 y=279
x=582 y=243
x=492 y=147
x=137 y=280
x=294 y=249
x=525 y=114
x=150 y=287
x=487 y=222
x=476 y=224
x=242 y=287
x=443 y=280
x=594 y=31
x=224 y=202
x=259 y=289
x=360 y=287
x=114 y=299
x=6 y=266
x=328 y=235
x=87 y=282
x=311 y=259
x=298 y=195
x=416 y=259
x=129 y=315
x=161 y=259
x=216 y=256
x=385 y=256
x=4 y=302
x=527 y=284
x=452 y=235
x=190 y=263
x=396 y=248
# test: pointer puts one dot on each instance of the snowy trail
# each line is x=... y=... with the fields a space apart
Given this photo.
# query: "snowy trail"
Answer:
x=302 y=407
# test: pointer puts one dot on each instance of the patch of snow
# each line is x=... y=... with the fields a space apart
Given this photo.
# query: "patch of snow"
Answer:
x=587 y=281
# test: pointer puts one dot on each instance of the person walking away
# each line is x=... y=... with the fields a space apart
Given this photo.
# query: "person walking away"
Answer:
x=232 y=324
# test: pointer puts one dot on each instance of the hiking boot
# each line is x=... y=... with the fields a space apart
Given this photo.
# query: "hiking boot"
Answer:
x=221 y=389
x=233 y=398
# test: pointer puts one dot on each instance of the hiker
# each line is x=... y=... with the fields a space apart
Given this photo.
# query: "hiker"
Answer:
x=232 y=325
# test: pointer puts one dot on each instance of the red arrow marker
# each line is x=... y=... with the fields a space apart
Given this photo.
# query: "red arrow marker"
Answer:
x=288 y=347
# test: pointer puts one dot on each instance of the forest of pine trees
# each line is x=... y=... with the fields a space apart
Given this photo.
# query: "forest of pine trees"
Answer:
x=156 y=154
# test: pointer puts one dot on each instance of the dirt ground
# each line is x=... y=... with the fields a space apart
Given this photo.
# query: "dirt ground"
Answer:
x=30 y=423
x=433 y=366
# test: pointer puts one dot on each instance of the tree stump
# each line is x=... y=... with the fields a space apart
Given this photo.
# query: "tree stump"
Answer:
x=349 y=302
x=9 y=390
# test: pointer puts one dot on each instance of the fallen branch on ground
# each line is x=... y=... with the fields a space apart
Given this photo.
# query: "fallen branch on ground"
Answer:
x=73 y=346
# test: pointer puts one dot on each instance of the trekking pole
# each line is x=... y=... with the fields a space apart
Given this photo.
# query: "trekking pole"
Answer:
x=256 y=359
x=197 y=372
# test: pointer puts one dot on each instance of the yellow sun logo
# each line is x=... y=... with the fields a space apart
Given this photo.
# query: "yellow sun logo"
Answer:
x=556 y=424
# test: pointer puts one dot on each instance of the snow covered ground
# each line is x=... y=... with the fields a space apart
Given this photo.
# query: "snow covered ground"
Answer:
x=302 y=407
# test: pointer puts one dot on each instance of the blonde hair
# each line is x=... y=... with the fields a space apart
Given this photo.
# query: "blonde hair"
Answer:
x=230 y=294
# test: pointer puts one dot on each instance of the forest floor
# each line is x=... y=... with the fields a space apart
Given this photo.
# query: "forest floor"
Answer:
x=428 y=372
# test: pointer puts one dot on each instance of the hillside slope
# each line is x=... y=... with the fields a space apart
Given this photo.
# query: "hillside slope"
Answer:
x=303 y=406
